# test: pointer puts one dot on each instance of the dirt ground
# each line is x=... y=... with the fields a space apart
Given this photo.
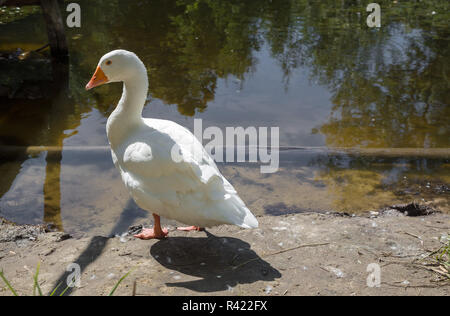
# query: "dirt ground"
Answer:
x=300 y=254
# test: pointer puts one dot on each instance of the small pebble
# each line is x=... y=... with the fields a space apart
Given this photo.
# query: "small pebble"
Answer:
x=279 y=228
x=337 y=272
x=123 y=238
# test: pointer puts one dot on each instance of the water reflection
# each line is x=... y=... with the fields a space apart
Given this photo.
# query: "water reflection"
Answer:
x=370 y=183
x=38 y=122
x=52 y=190
x=311 y=67
x=397 y=104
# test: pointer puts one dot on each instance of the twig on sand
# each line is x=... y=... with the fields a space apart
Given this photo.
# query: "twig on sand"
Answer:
x=134 y=288
x=279 y=252
x=430 y=254
x=420 y=286
x=435 y=267
x=412 y=235
x=295 y=248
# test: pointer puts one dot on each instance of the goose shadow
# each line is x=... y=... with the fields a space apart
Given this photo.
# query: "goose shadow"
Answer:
x=97 y=245
x=219 y=262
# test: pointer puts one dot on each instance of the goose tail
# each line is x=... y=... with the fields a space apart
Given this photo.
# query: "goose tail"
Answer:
x=243 y=217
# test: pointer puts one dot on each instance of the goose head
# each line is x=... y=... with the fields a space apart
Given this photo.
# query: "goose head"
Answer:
x=116 y=66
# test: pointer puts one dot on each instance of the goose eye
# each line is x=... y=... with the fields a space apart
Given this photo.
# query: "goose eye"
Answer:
x=108 y=62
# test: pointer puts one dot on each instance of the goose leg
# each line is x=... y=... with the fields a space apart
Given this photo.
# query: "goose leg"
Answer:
x=190 y=228
x=153 y=233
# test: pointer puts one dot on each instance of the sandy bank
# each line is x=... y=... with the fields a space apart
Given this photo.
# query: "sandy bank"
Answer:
x=301 y=254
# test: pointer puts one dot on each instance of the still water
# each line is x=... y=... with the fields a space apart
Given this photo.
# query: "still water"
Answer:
x=312 y=68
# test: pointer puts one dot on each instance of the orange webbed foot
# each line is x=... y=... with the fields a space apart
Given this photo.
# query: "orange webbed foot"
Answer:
x=150 y=233
x=190 y=229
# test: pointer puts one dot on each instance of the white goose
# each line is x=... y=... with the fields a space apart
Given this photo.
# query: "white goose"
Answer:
x=185 y=187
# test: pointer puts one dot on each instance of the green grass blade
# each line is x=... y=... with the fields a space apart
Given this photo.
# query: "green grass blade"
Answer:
x=36 y=283
x=7 y=284
x=56 y=289
x=118 y=283
x=64 y=292
x=68 y=287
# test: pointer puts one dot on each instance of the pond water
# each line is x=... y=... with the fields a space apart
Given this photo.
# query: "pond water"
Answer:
x=312 y=68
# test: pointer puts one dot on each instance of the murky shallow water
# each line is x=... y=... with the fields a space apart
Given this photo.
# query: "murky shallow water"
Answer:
x=314 y=70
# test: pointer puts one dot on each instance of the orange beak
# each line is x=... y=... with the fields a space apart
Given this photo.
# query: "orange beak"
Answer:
x=98 y=79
